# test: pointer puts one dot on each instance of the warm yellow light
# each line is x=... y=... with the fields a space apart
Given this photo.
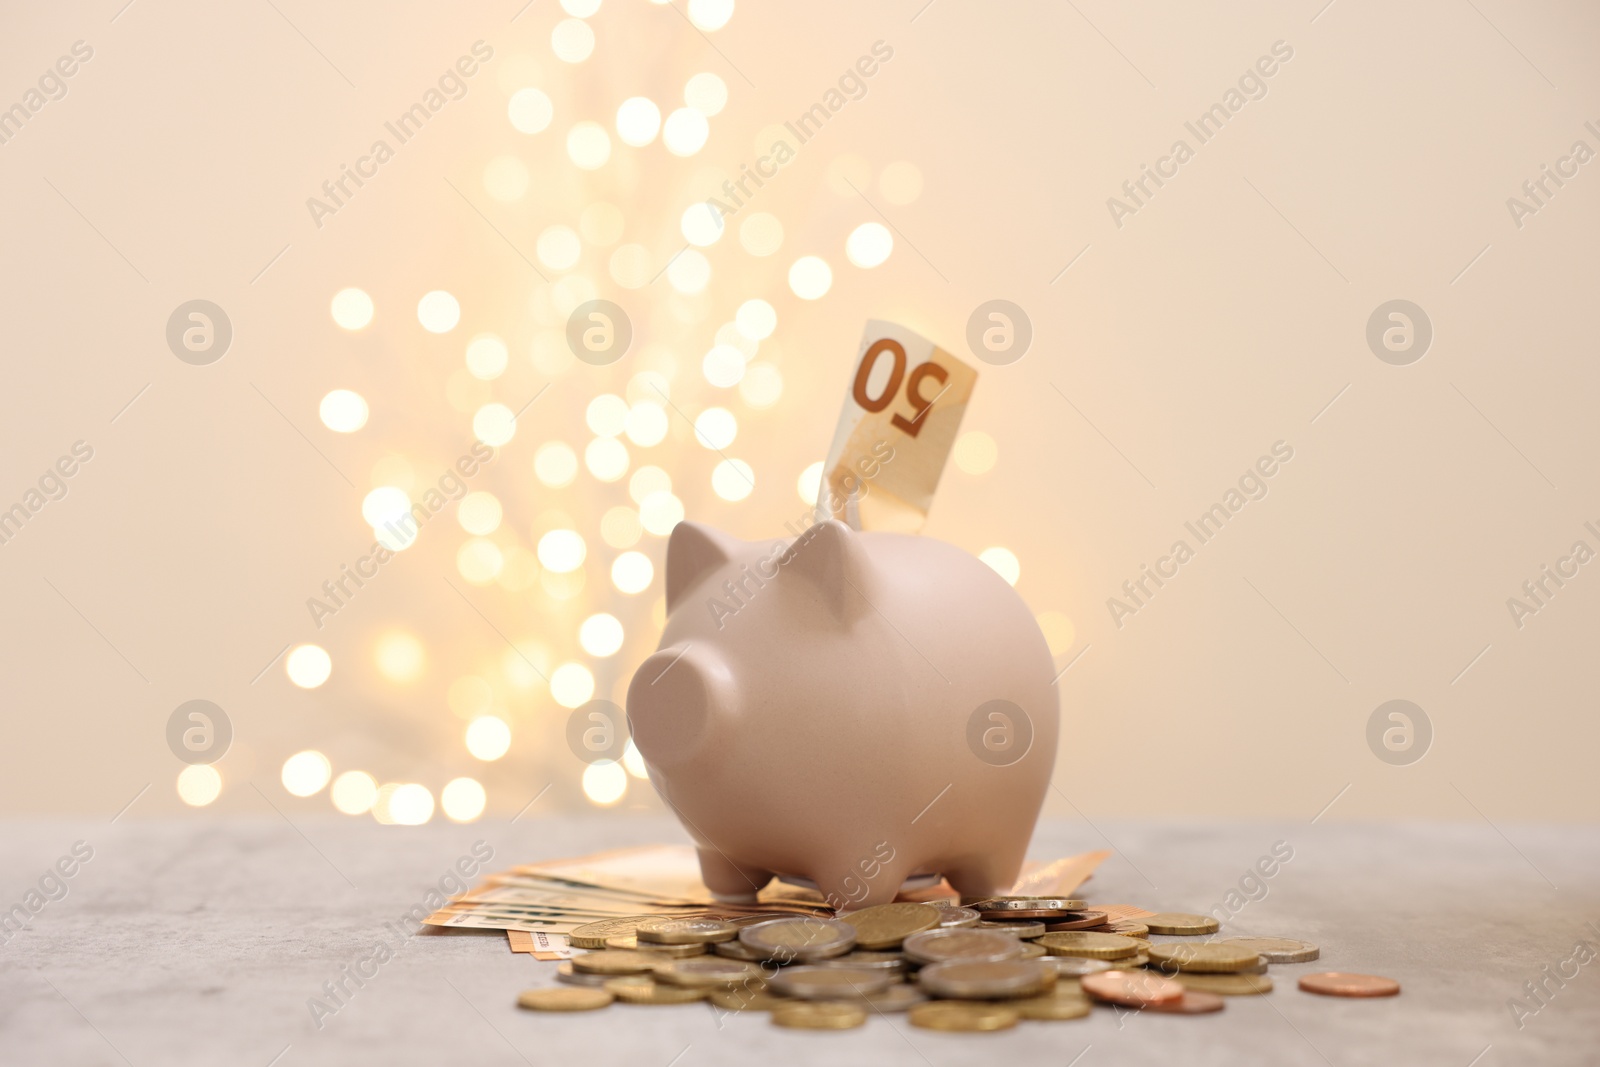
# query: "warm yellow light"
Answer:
x=410 y=805
x=555 y=464
x=530 y=110
x=343 y=411
x=630 y=266
x=632 y=572
x=571 y=685
x=756 y=319
x=606 y=415
x=558 y=247
x=385 y=504
x=486 y=357
x=305 y=773
x=580 y=8
x=572 y=40
x=601 y=224
x=1004 y=562
x=380 y=803
x=706 y=93
x=199 y=784
x=619 y=527
x=588 y=145
x=400 y=656
x=462 y=799
x=638 y=121
x=647 y=480
x=660 y=512
x=394 y=470
x=488 y=737
x=732 y=479
x=605 y=782
x=353 y=792
x=761 y=234
x=715 y=428
x=633 y=762
x=975 y=452
x=710 y=15
x=647 y=424
x=506 y=179
x=606 y=458
x=352 y=308
x=900 y=182
x=1059 y=632
x=562 y=551
x=438 y=311
x=761 y=385
x=308 y=666
x=869 y=244
x=701 y=224
x=685 y=131
x=494 y=424
x=479 y=512
x=689 y=273
x=601 y=635
x=809 y=484
x=723 y=366
x=479 y=560
x=810 y=277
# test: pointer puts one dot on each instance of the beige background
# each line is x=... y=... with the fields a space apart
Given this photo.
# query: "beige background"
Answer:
x=1223 y=317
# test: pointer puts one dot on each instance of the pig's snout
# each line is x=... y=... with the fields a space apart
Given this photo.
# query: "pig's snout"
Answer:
x=675 y=702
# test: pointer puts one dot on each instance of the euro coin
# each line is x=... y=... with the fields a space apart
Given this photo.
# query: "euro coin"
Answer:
x=1227 y=985
x=954 y=916
x=1258 y=967
x=685 y=931
x=887 y=925
x=964 y=980
x=1078 y=920
x=1277 y=949
x=1026 y=929
x=1077 y=966
x=614 y=962
x=819 y=1015
x=1176 y=922
x=708 y=971
x=892 y=963
x=1052 y=1007
x=567 y=975
x=829 y=983
x=938 y=946
x=737 y=950
x=898 y=997
x=1086 y=943
x=799 y=939
x=643 y=989
x=1203 y=957
x=1032 y=950
x=1127 y=928
x=1341 y=984
x=1133 y=989
x=593 y=935
x=963 y=1015
x=631 y=943
x=564 y=998
x=1193 y=1002
x=1014 y=904
x=741 y=999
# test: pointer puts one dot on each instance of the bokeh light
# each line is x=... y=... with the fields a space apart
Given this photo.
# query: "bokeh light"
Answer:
x=562 y=550
x=572 y=40
x=620 y=527
x=638 y=121
x=308 y=666
x=343 y=411
x=647 y=480
x=488 y=737
x=632 y=572
x=571 y=685
x=685 y=131
x=975 y=452
x=690 y=272
x=558 y=247
x=1004 y=562
x=588 y=145
x=410 y=805
x=869 y=244
x=555 y=464
x=199 y=784
x=647 y=424
x=761 y=234
x=601 y=635
x=494 y=424
x=352 y=309
x=606 y=415
x=732 y=479
x=479 y=561
x=530 y=110
x=701 y=224
x=633 y=761
x=809 y=484
x=756 y=319
x=438 y=311
x=486 y=357
x=1058 y=629
x=606 y=458
x=305 y=773
x=723 y=366
x=506 y=179
x=479 y=512
x=810 y=277
x=706 y=93
x=353 y=792
x=710 y=15
x=462 y=799
x=400 y=656
x=716 y=428
x=605 y=782
x=660 y=512
x=761 y=386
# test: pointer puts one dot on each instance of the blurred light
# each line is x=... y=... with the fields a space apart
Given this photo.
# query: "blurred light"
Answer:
x=494 y=424
x=580 y=8
x=606 y=458
x=559 y=247
x=479 y=561
x=1059 y=633
x=761 y=386
x=305 y=773
x=555 y=464
x=520 y=571
x=638 y=121
x=630 y=266
x=1004 y=562
x=620 y=527
x=761 y=234
x=380 y=803
x=651 y=385
x=199 y=784
x=563 y=586
x=308 y=666
x=605 y=782
x=589 y=145
x=689 y=272
x=571 y=685
x=384 y=505
x=660 y=512
x=393 y=470
x=900 y=182
x=756 y=319
x=868 y=245
x=606 y=415
x=634 y=762
x=976 y=452
x=732 y=479
x=506 y=179
x=632 y=572
x=479 y=512
x=438 y=311
x=810 y=277
x=701 y=224
x=647 y=480
x=710 y=15
x=343 y=411
x=469 y=696
x=488 y=737
x=723 y=366
x=647 y=423
x=572 y=40
x=462 y=799
x=729 y=334
x=526 y=663
x=352 y=308
x=809 y=484
x=601 y=224
x=706 y=93
x=400 y=656
x=716 y=428
x=562 y=551
x=353 y=792
x=486 y=357
x=410 y=805
x=530 y=110
x=600 y=635
x=685 y=131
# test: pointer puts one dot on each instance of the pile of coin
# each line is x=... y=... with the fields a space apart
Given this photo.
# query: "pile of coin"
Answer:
x=982 y=965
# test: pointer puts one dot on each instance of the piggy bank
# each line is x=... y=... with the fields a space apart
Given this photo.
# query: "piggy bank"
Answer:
x=858 y=711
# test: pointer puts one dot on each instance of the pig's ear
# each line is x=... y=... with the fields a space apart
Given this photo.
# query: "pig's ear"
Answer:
x=830 y=559
x=694 y=551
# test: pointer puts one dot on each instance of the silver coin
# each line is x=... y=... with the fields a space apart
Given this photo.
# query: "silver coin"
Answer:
x=1277 y=949
x=737 y=950
x=954 y=916
x=967 y=980
x=799 y=940
x=892 y=963
x=1078 y=966
x=828 y=983
x=565 y=973
x=1025 y=930
x=1005 y=904
x=897 y=997
x=938 y=946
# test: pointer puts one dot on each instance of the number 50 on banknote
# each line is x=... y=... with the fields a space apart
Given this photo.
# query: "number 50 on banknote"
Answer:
x=900 y=419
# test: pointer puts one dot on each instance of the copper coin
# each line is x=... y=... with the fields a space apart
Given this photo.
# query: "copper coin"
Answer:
x=1078 y=920
x=1135 y=989
x=1340 y=984
x=1193 y=1002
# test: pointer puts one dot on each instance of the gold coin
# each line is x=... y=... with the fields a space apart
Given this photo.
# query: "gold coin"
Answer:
x=1051 y=1007
x=1138 y=959
x=965 y=943
x=1205 y=957
x=1090 y=944
x=613 y=961
x=708 y=971
x=819 y=1015
x=567 y=976
x=804 y=939
x=564 y=998
x=631 y=943
x=1032 y=950
x=830 y=983
x=886 y=925
x=1277 y=949
x=963 y=980
x=593 y=935
x=1026 y=930
x=642 y=989
x=741 y=999
x=963 y=1015
x=1127 y=928
x=685 y=931
x=1229 y=985
x=889 y=962
x=1177 y=922
x=898 y=997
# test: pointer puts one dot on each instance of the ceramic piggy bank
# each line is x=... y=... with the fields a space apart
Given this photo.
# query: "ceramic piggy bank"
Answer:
x=856 y=710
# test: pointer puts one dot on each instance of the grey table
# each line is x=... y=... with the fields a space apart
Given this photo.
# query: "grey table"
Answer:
x=202 y=941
